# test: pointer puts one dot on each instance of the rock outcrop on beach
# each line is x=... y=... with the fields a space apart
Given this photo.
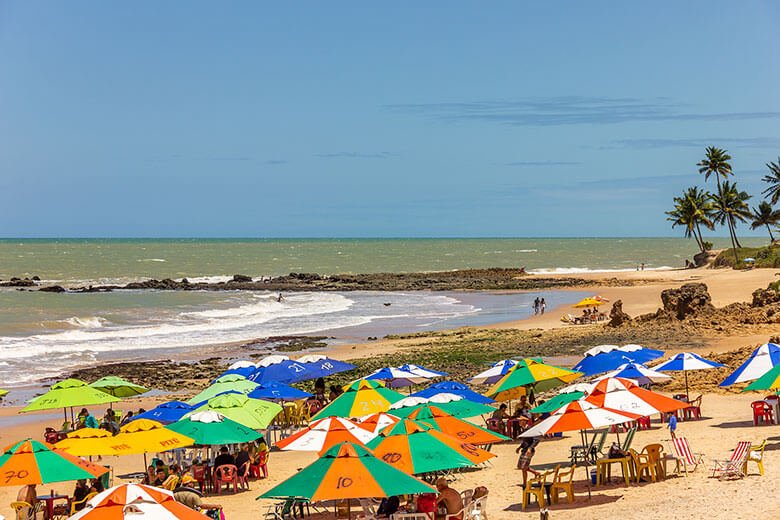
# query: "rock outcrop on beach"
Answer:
x=20 y=282
x=617 y=316
x=691 y=298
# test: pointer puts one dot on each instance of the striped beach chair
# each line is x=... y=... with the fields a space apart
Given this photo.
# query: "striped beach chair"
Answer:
x=684 y=457
x=734 y=467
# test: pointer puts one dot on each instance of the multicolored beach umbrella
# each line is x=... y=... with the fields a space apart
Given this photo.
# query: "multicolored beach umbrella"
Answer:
x=281 y=369
x=638 y=373
x=554 y=403
x=118 y=387
x=67 y=394
x=360 y=398
x=128 y=501
x=416 y=448
x=274 y=391
x=228 y=383
x=317 y=365
x=452 y=404
x=763 y=359
x=323 y=434
x=462 y=430
x=529 y=373
x=210 y=428
x=496 y=371
x=624 y=395
x=395 y=377
x=686 y=362
x=166 y=413
x=769 y=381
x=376 y=422
x=256 y=414
x=422 y=371
x=453 y=387
x=579 y=415
x=348 y=471
x=31 y=462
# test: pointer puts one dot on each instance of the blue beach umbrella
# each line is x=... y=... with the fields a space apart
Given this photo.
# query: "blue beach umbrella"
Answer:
x=318 y=365
x=278 y=392
x=610 y=357
x=452 y=387
x=685 y=362
x=761 y=361
x=242 y=368
x=637 y=372
x=280 y=369
x=394 y=377
x=422 y=371
x=493 y=374
x=166 y=413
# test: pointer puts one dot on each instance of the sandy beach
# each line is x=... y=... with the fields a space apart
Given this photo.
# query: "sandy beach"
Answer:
x=727 y=420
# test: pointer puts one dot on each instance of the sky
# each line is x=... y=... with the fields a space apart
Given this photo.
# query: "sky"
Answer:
x=367 y=119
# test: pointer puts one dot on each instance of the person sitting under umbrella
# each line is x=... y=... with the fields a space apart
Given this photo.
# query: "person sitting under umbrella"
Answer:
x=449 y=499
x=224 y=458
x=191 y=497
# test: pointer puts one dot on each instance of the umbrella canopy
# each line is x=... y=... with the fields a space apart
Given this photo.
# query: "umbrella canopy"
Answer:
x=759 y=363
x=252 y=413
x=3 y=393
x=687 y=361
x=274 y=391
x=530 y=373
x=360 y=398
x=452 y=404
x=637 y=372
x=624 y=395
x=141 y=436
x=317 y=365
x=210 y=428
x=67 y=393
x=608 y=357
x=323 y=434
x=166 y=413
x=589 y=302
x=427 y=373
x=396 y=377
x=769 y=381
x=242 y=368
x=496 y=371
x=376 y=422
x=462 y=430
x=135 y=501
x=31 y=462
x=118 y=387
x=280 y=369
x=348 y=471
x=416 y=448
x=452 y=387
x=84 y=442
x=558 y=401
x=228 y=383
x=579 y=415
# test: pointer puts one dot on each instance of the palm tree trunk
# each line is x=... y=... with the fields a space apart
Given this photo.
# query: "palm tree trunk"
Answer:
x=771 y=238
x=699 y=239
x=733 y=240
x=734 y=230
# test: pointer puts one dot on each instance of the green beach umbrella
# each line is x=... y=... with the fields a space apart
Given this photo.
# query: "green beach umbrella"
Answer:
x=363 y=397
x=210 y=428
x=529 y=373
x=67 y=394
x=252 y=413
x=118 y=387
x=31 y=462
x=417 y=448
x=558 y=401
x=226 y=383
x=3 y=393
x=456 y=408
x=348 y=471
x=769 y=381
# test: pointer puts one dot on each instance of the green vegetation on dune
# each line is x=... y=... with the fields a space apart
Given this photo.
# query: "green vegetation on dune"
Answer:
x=768 y=256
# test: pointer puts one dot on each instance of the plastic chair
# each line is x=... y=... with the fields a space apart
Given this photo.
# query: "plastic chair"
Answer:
x=466 y=495
x=563 y=482
x=479 y=508
x=685 y=457
x=655 y=455
x=199 y=473
x=643 y=465
x=74 y=505
x=535 y=487
x=734 y=467
x=260 y=464
x=694 y=409
x=242 y=477
x=762 y=412
x=25 y=511
x=226 y=474
x=756 y=454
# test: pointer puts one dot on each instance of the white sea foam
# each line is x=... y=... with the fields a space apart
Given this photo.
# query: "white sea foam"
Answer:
x=575 y=270
x=525 y=250
x=90 y=322
x=152 y=260
x=207 y=279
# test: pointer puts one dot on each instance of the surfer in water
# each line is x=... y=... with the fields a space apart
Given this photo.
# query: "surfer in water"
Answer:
x=280 y=298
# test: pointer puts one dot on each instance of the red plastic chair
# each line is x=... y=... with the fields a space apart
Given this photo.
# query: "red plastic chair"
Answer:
x=643 y=423
x=694 y=410
x=762 y=412
x=200 y=474
x=260 y=464
x=226 y=474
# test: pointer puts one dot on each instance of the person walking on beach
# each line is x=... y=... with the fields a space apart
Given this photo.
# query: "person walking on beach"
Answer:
x=536 y=305
x=542 y=306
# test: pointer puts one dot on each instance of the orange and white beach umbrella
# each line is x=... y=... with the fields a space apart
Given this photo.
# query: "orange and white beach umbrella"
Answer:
x=135 y=501
x=376 y=422
x=325 y=433
x=579 y=415
x=621 y=394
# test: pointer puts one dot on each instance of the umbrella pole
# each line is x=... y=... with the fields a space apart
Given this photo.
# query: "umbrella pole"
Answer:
x=688 y=397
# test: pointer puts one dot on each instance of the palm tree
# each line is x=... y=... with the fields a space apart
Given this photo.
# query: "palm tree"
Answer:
x=730 y=206
x=693 y=210
x=716 y=162
x=765 y=215
x=774 y=181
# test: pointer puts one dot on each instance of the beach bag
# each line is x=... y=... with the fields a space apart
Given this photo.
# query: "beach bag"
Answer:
x=615 y=452
x=216 y=514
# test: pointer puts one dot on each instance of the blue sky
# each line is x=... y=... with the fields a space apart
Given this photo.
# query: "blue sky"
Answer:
x=359 y=119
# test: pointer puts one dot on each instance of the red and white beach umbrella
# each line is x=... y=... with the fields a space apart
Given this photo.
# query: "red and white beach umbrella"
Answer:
x=135 y=501
x=579 y=415
x=376 y=422
x=621 y=394
x=325 y=433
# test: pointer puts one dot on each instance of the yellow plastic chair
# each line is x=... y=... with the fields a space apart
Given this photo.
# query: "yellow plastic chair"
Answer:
x=655 y=453
x=535 y=487
x=83 y=501
x=756 y=454
x=25 y=511
x=563 y=482
x=643 y=464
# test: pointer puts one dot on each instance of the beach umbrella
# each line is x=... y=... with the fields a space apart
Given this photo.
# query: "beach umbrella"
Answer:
x=166 y=413
x=452 y=404
x=427 y=373
x=604 y=358
x=31 y=462
x=579 y=415
x=252 y=413
x=759 y=363
x=416 y=448
x=242 y=368
x=3 y=393
x=588 y=302
x=529 y=373
x=210 y=428
x=626 y=396
x=554 y=403
x=274 y=391
x=348 y=471
x=324 y=433
x=685 y=362
x=395 y=377
x=463 y=430
x=129 y=501
x=360 y=398
x=84 y=442
x=118 y=387
x=228 y=383
x=67 y=394
x=280 y=369
x=317 y=365
x=141 y=436
x=452 y=387
x=496 y=371
x=637 y=372
x=769 y=381
x=377 y=422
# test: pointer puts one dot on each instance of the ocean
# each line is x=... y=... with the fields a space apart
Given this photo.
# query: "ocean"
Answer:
x=55 y=332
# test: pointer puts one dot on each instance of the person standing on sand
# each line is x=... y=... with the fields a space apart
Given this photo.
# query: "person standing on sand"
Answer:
x=542 y=306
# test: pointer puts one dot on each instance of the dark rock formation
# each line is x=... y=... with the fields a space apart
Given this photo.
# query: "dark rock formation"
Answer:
x=53 y=288
x=704 y=258
x=688 y=300
x=762 y=297
x=240 y=278
x=616 y=315
x=18 y=282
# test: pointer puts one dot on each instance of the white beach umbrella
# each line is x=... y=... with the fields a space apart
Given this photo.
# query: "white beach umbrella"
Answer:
x=409 y=401
x=395 y=377
x=422 y=371
x=761 y=361
x=601 y=349
x=273 y=359
x=585 y=388
x=637 y=372
x=325 y=433
x=445 y=397
x=624 y=395
x=494 y=373
x=376 y=422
